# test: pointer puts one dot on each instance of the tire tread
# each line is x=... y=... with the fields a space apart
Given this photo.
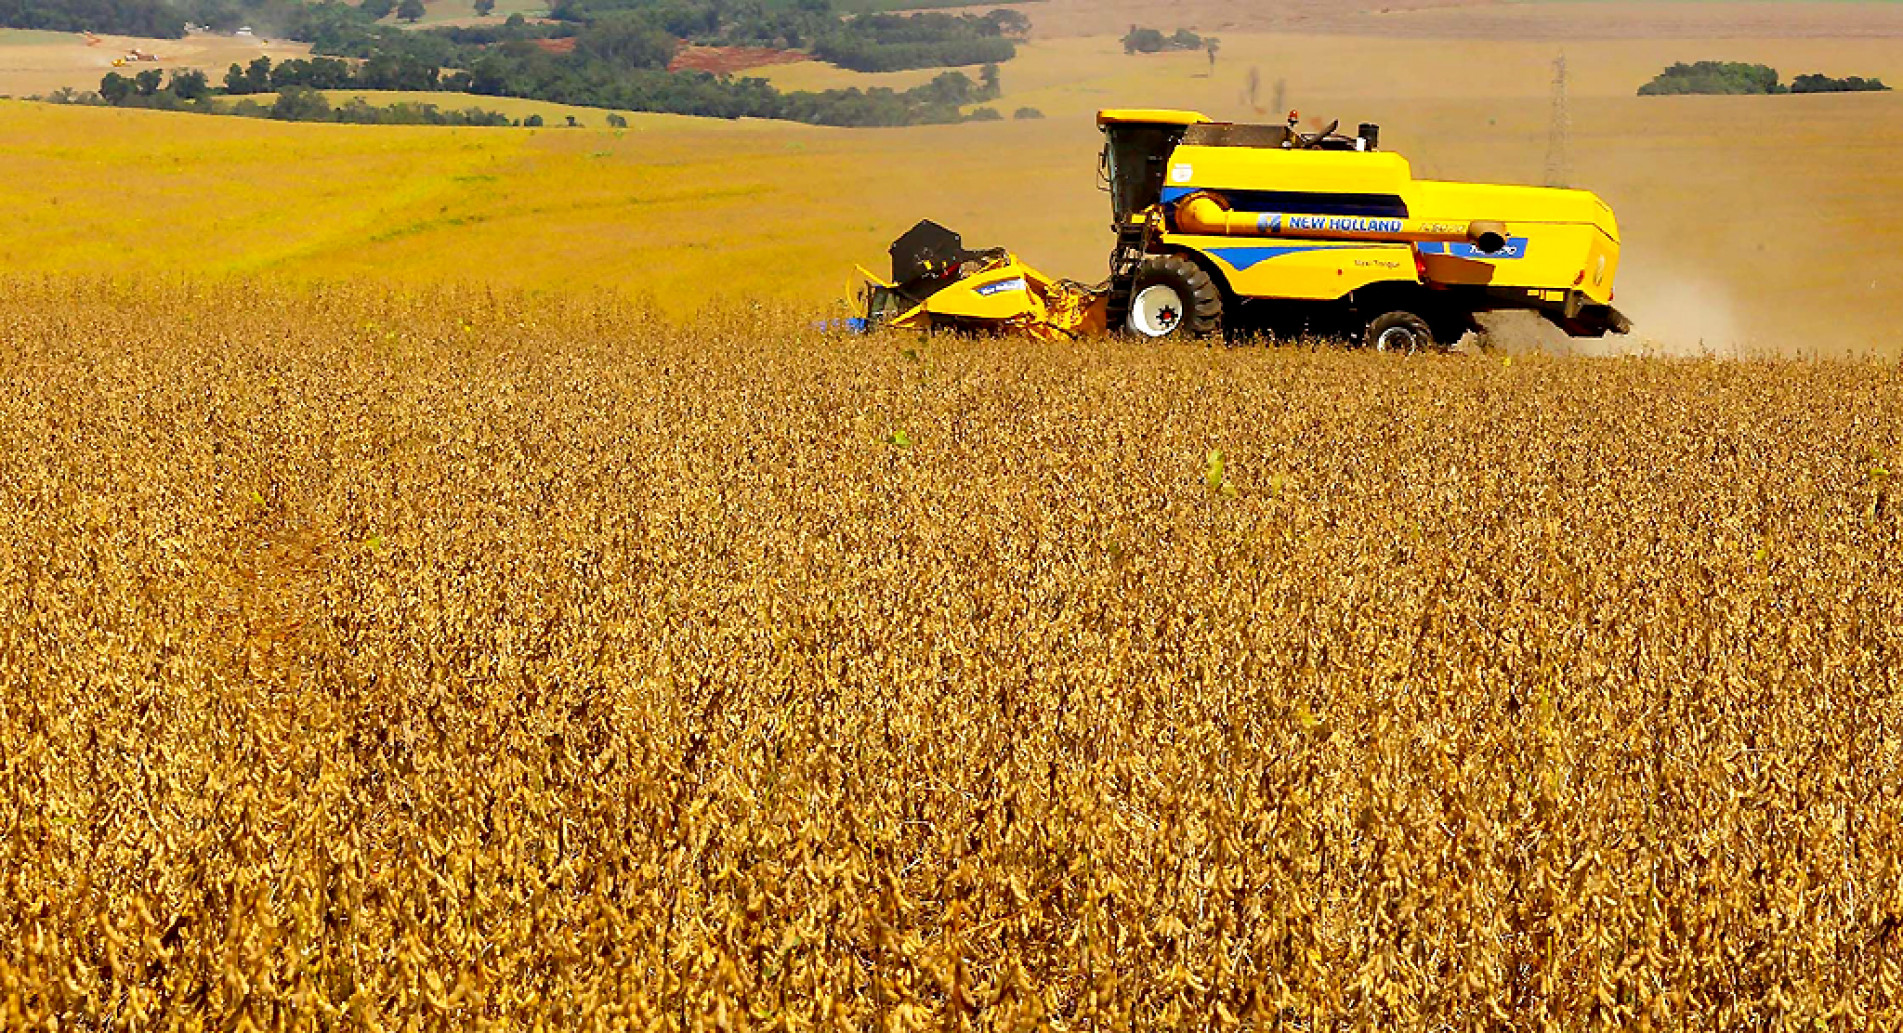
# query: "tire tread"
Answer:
x=1205 y=309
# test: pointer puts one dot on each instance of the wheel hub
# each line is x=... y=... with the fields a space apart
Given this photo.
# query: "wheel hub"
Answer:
x=1156 y=311
x=1397 y=339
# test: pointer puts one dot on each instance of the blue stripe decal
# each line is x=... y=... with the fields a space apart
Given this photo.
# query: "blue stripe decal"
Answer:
x=1240 y=258
x=1516 y=249
x=1171 y=195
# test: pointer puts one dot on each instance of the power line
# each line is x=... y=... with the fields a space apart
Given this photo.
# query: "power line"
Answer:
x=1559 y=161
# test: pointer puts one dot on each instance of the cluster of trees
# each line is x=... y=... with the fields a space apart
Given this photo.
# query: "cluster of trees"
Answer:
x=524 y=70
x=411 y=11
x=120 y=17
x=892 y=42
x=1720 y=77
x=940 y=100
x=643 y=34
x=303 y=104
x=191 y=91
x=148 y=89
x=861 y=56
x=867 y=42
x=516 y=28
x=715 y=22
x=1739 y=78
x=1152 y=41
x=1818 y=83
x=384 y=72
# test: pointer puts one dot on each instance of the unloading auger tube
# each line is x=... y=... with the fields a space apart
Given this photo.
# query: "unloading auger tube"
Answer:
x=1209 y=213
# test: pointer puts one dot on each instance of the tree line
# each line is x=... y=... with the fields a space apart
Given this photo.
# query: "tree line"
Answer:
x=1737 y=78
x=534 y=74
x=1152 y=41
x=892 y=42
x=190 y=90
x=870 y=42
x=152 y=18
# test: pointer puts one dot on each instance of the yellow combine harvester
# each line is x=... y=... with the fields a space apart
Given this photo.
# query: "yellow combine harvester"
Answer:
x=1225 y=226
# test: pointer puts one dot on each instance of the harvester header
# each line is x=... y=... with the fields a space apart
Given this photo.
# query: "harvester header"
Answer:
x=1240 y=227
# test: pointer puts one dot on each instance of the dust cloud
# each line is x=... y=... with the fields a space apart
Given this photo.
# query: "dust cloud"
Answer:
x=1674 y=316
x=1682 y=314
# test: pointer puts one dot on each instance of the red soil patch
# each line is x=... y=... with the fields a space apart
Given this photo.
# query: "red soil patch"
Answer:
x=557 y=46
x=722 y=60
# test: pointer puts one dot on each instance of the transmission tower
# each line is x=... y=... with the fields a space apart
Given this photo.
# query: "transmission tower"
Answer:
x=1559 y=161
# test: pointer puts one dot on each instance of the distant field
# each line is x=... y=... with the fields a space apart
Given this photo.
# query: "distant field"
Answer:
x=32 y=38
x=672 y=204
x=42 y=62
x=1073 y=77
x=1544 y=20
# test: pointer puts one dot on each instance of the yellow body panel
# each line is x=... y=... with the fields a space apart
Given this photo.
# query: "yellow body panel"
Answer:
x=1539 y=256
x=1309 y=270
x=998 y=294
x=1429 y=199
x=1007 y=294
x=1001 y=294
x=1265 y=168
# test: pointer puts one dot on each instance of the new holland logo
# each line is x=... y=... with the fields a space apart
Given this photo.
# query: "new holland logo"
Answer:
x=1272 y=223
x=1001 y=286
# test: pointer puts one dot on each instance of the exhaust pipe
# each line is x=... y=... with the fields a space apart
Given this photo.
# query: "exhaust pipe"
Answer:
x=1210 y=214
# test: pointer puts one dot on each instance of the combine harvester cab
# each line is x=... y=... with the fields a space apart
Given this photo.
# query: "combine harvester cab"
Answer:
x=1264 y=227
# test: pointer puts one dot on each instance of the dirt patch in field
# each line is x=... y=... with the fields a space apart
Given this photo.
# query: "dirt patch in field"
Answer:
x=726 y=60
x=565 y=45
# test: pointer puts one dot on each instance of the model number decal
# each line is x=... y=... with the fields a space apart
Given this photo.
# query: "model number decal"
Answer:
x=1001 y=287
x=1516 y=248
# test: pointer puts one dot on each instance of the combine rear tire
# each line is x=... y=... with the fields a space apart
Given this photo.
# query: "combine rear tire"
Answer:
x=1172 y=296
x=1399 y=331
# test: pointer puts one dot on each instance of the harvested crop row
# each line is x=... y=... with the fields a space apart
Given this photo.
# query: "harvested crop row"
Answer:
x=470 y=662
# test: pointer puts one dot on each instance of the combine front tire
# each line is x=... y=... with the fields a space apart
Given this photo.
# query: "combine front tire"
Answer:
x=1172 y=296
x=1399 y=331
